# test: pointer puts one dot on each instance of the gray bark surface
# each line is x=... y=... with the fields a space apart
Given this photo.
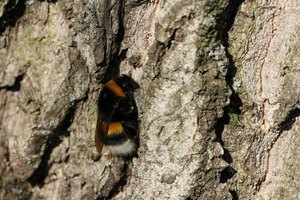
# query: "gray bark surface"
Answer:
x=218 y=99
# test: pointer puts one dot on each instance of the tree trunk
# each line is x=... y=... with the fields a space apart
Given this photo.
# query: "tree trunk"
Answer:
x=218 y=100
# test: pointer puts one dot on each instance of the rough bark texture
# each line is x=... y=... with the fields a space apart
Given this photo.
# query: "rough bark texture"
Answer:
x=218 y=99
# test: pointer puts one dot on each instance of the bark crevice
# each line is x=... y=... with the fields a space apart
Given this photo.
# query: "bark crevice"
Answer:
x=55 y=139
x=117 y=55
x=121 y=182
x=290 y=119
x=11 y=14
x=234 y=194
x=225 y=22
x=16 y=86
x=49 y=1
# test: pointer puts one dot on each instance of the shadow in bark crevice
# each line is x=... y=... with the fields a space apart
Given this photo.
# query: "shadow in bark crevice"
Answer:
x=227 y=173
x=118 y=55
x=120 y=184
x=54 y=140
x=49 y=1
x=225 y=22
x=234 y=194
x=289 y=121
x=12 y=14
x=17 y=84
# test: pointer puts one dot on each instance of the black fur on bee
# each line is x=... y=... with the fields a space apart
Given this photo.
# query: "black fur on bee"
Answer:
x=117 y=123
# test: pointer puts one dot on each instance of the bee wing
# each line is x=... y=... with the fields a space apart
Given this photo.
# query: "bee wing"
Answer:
x=101 y=131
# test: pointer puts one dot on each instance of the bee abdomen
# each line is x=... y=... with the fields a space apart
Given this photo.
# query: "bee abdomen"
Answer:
x=126 y=148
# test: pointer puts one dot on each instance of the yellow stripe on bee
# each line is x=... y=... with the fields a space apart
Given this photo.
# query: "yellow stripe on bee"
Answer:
x=115 y=88
x=115 y=128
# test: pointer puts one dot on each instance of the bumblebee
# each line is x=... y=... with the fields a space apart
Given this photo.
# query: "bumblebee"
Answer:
x=117 y=123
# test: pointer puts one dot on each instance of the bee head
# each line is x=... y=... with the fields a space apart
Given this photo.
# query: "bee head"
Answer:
x=127 y=83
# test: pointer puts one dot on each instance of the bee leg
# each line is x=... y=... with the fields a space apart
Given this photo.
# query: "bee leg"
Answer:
x=106 y=154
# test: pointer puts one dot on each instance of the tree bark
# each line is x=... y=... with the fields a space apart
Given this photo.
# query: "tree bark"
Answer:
x=218 y=100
